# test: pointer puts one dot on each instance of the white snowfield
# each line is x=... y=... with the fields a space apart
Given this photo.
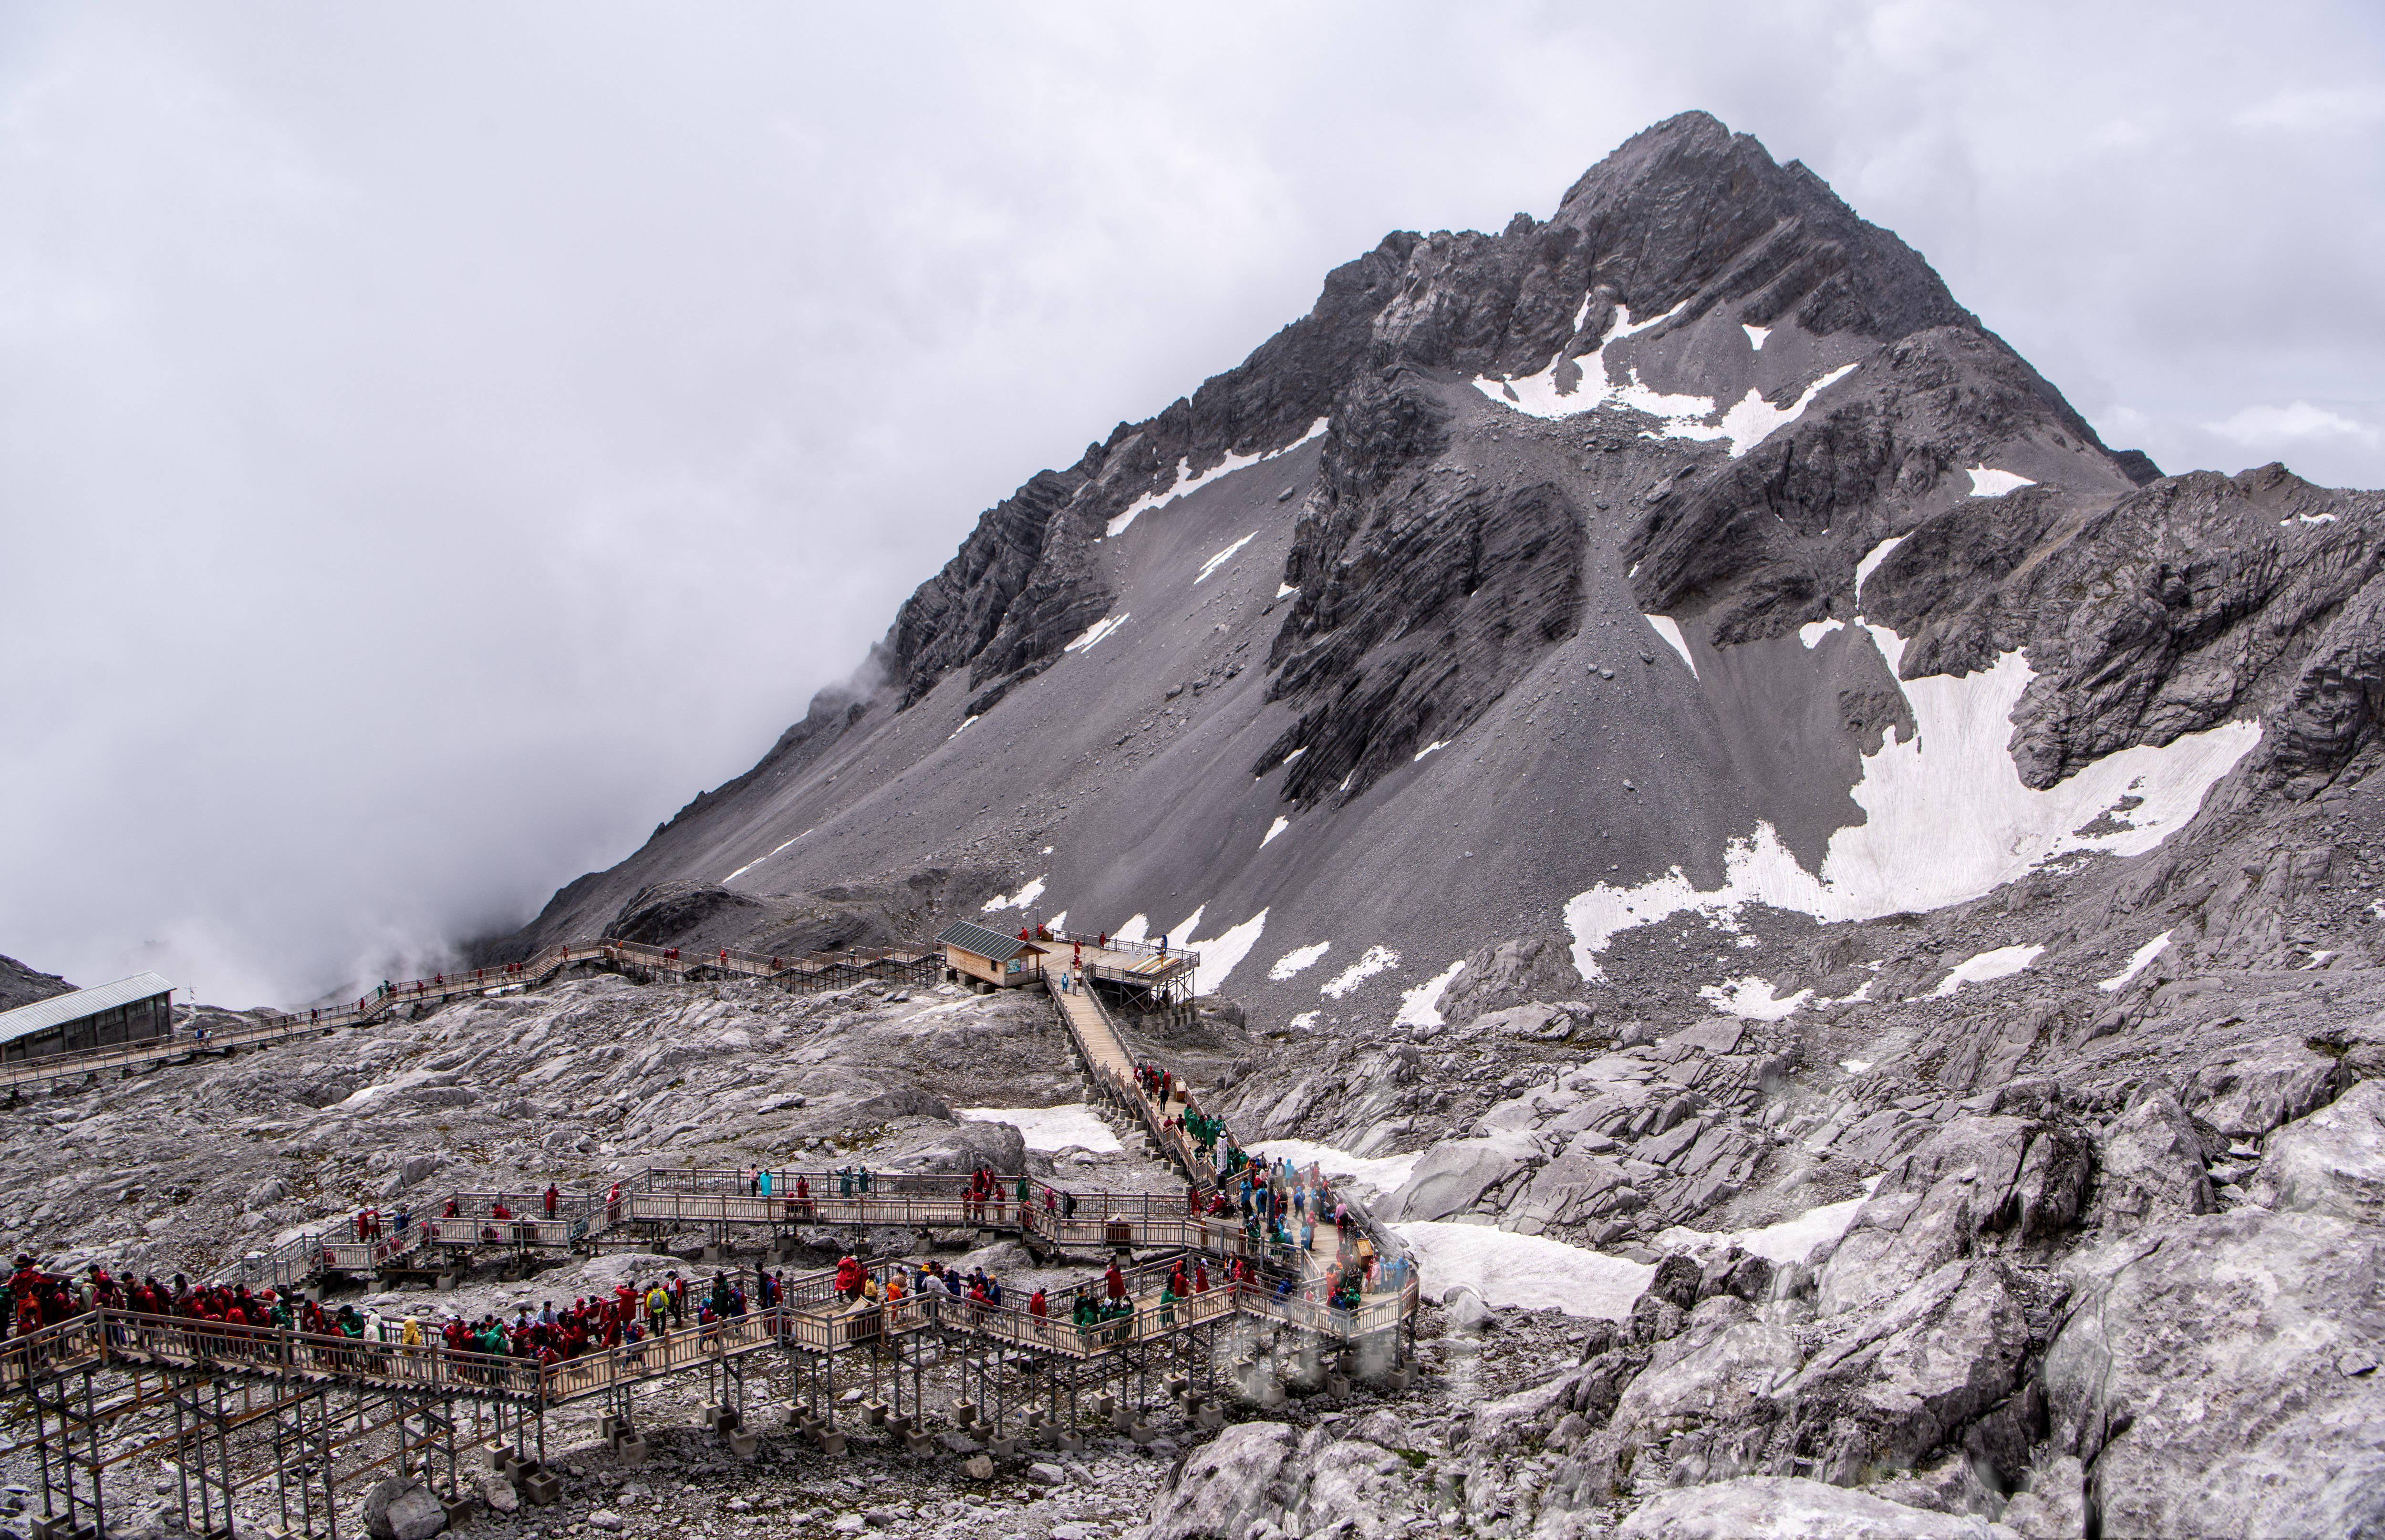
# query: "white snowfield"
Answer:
x=1373 y=961
x=1222 y=953
x=1996 y=483
x=1812 y=631
x=1947 y=818
x=1020 y=900
x=1092 y=636
x=782 y=845
x=2139 y=961
x=1791 y=1240
x=1871 y=563
x=1222 y=557
x=2001 y=962
x=1273 y=829
x=1421 y=1005
x=1071 y=1125
x=1298 y=959
x=1670 y=630
x=1187 y=483
x=1746 y=422
x=1531 y=1273
x=1755 y=335
x=1753 y=997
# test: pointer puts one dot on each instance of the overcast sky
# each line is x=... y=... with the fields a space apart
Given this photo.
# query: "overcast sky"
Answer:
x=437 y=441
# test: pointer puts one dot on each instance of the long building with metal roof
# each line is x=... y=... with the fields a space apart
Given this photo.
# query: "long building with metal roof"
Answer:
x=131 y=1009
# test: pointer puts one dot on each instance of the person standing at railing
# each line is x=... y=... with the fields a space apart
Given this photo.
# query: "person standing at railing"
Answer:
x=554 y=1198
x=762 y=1184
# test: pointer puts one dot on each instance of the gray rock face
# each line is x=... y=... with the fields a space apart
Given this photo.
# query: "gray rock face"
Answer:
x=1947 y=1349
x=21 y=984
x=2220 y=1375
x=2150 y=1165
x=1786 y=1508
x=2252 y=1087
x=1455 y=1174
x=2332 y=1162
x=1980 y=1181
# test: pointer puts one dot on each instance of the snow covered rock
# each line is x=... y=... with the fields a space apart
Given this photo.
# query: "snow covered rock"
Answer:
x=2219 y=1374
x=1788 y=1507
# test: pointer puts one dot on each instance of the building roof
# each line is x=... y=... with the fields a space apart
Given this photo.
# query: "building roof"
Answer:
x=984 y=940
x=43 y=1014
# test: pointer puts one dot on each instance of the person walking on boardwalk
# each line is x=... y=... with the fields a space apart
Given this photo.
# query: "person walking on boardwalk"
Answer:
x=554 y=1197
x=1116 y=1282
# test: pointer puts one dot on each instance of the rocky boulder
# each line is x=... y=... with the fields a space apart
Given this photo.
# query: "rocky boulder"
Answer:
x=1226 y=1487
x=402 y=1509
x=2331 y=1163
x=1719 y=1370
x=2225 y=1374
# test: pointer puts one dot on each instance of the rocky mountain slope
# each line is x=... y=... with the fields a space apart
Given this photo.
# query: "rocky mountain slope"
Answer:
x=1836 y=911
x=1690 y=553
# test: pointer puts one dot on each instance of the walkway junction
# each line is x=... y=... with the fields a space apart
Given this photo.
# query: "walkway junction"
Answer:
x=299 y=1423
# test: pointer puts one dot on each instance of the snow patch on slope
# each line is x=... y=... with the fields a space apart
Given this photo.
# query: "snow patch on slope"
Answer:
x=1996 y=483
x=1020 y=900
x=2001 y=962
x=1297 y=960
x=1791 y=1240
x=1375 y=959
x=1222 y=953
x=1186 y=483
x=1670 y=630
x=1070 y=1123
x=1222 y=557
x=783 y=844
x=1947 y=818
x=1273 y=829
x=1746 y=423
x=1421 y=1005
x=1753 y=997
x=1530 y=1272
x=1812 y=631
x=1092 y=636
x=1872 y=558
x=1755 y=335
x=1383 y=1174
x=2139 y=961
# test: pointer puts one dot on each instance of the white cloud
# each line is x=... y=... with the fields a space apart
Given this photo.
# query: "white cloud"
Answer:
x=2256 y=426
x=2314 y=109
